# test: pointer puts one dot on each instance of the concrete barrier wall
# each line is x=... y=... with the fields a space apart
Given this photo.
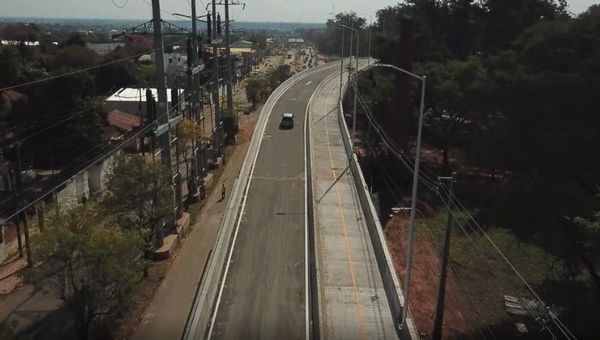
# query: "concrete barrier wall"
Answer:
x=98 y=174
x=384 y=259
x=71 y=195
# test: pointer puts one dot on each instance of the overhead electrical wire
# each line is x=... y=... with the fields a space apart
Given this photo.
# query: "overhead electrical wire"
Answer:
x=83 y=70
x=97 y=159
x=431 y=184
x=446 y=203
x=394 y=190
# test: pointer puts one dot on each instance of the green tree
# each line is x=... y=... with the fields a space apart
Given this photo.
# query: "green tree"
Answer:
x=428 y=21
x=140 y=193
x=257 y=90
x=456 y=101
x=11 y=70
x=75 y=39
x=189 y=133
x=20 y=32
x=88 y=263
x=74 y=57
x=145 y=73
x=505 y=20
x=279 y=75
x=73 y=116
x=585 y=247
x=329 y=40
x=116 y=75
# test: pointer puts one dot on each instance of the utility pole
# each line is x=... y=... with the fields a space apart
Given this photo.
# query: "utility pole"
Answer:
x=23 y=214
x=194 y=34
x=350 y=53
x=439 y=310
x=163 y=134
x=369 y=49
x=218 y=123
x=193 y=99
x=228 y=60
x=162 y=112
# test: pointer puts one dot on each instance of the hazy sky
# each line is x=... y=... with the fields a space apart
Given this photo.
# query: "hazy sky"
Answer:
x=256 y=10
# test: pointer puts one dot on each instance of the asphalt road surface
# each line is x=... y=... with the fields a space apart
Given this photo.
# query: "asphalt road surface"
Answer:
x=264 y=292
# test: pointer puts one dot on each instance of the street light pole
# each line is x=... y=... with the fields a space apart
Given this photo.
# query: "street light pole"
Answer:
x=342 y=65
x=355 y=91
x=413 y=208
x=369 y=49
x=349 y=73
x=413 y=205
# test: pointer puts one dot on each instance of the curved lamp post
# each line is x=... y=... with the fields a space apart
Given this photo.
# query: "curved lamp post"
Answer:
x=352 y=29
x=413 y=208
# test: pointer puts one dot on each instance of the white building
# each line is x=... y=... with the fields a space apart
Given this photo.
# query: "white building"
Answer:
x=18 y=43
x=133 y=100
x=174 y=63
x=105 y=48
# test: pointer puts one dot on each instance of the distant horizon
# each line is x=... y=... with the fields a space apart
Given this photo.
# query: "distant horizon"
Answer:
x=147 y=19
x=305 y=12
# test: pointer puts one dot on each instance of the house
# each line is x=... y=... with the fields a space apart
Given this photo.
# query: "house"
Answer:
x=121 y=124
x=145 y=57
x=242 y=44
x=295 y=42
x=105 y=48
x=8 y=98
x=19 y=43
x=175 y=64
x=133 y=100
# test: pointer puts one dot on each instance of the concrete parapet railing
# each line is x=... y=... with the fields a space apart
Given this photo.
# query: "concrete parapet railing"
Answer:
x=384 y=259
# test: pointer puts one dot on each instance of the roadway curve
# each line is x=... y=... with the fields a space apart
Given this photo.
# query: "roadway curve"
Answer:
x=264 y=291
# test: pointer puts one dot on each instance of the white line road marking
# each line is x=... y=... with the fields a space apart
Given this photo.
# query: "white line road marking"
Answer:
x=310 y=82
x=247 y=187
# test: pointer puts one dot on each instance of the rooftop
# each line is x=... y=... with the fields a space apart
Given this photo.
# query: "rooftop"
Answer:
x=123 y=120
x=14 y=96
x=135 y=95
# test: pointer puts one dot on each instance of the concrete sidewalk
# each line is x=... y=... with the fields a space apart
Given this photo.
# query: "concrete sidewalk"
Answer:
x=352 y=301
x=166 y=315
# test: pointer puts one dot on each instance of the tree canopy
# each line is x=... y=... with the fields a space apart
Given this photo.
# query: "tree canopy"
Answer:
x=141 y=196
x=511 y=104
x=88 y=262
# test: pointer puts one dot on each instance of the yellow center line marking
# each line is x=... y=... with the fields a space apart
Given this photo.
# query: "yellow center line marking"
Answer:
x=358 y=304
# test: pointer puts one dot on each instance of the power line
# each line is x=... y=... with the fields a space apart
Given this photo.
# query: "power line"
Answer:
x=426 y=180
x=385 y=176
x=51 y=126
x=97 y=159
x=428 y=183
x=83 y=70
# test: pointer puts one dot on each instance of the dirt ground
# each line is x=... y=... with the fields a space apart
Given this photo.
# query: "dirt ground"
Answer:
x=424 y=278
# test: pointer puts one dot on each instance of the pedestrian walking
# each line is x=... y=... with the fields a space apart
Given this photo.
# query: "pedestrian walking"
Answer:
x=222 y=192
